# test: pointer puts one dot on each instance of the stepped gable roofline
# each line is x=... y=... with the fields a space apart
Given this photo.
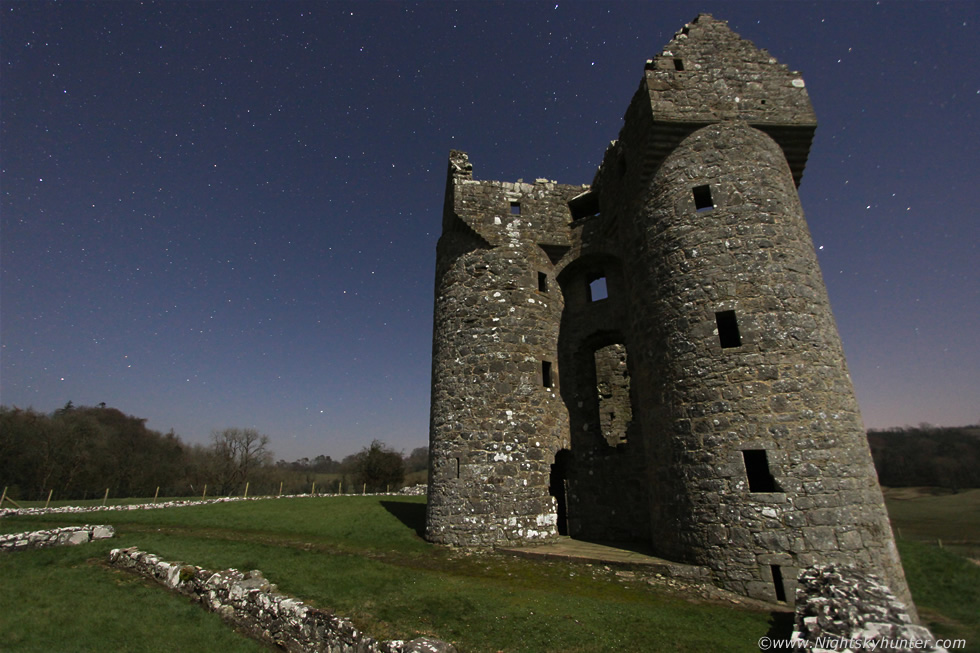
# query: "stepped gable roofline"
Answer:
x=708 y=73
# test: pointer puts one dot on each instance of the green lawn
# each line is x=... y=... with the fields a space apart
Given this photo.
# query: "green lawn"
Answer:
x=362 y=557
x=937 y=516
x=938 y=534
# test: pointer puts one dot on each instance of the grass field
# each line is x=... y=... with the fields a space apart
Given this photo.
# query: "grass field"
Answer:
x=937 y=516
x=363 y=558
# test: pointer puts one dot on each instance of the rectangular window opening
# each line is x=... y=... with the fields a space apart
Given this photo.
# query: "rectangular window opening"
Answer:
x=546 y=378
x=515 y=208
x=702 y=198
x=777 y=582
x=757 y=471
x=598 y=289
x=542 y=282
x=456 y=467
x=728 y=332
x=679 y=64
x=584 y=205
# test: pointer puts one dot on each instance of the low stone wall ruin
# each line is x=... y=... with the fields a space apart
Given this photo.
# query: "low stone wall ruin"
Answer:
x=68 y=535
x=255 y=606
x=840 y=608
x=415 y=490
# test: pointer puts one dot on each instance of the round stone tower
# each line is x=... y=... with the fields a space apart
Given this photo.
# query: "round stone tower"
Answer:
x=757 y=455
x=757 y=460
x=497 y=419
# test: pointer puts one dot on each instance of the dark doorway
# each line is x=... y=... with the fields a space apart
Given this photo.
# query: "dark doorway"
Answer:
x=558 y=488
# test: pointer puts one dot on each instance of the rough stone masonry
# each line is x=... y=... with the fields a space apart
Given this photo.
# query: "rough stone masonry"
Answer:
x=653 y=356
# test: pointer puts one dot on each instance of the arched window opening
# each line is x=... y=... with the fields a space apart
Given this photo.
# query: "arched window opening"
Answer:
x=613 y=390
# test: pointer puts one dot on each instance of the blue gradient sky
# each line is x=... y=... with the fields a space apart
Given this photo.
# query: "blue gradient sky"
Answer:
x=225 y=213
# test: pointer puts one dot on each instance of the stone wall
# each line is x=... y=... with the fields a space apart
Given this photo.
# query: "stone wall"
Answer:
x=253 y=604
x=842 y=608
x=68 y=535
x=179 y=503
x=63 y=510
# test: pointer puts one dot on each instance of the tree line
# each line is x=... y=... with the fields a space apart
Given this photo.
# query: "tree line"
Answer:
x=926 y=455
x=79 y=452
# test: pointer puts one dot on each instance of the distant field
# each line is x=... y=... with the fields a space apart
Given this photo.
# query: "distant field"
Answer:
x=363 y=557
x=935 y=528
x=937 y=516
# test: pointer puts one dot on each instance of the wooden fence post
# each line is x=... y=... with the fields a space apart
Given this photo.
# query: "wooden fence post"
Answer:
x=4 y=497
x=246 y=490
x=364 y=489
x=280 y=488
x=205 y=493
x=156 y=494
x=106 y=497
x=313 y=490
x=46 y=503
x=340 y=487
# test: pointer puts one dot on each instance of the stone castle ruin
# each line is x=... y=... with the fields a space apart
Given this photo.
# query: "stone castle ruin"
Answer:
x=653 y=357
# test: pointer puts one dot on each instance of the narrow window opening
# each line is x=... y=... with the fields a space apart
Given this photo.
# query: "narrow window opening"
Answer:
x=757 y=471
x=584 y=205
x=515 y=208
x=679 y=64
x=702 y=198
x=542 y=282
x=777 y=581
x=598 y=289
x=456 y=467
x=546 y=378
x=728 y=332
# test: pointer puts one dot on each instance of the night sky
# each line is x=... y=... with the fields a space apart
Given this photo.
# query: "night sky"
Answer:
x=222 y=214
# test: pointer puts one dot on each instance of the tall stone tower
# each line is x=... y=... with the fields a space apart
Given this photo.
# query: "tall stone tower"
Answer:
x=653 y=356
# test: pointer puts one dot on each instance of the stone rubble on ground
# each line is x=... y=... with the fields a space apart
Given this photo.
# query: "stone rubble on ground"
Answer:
x=839 y=603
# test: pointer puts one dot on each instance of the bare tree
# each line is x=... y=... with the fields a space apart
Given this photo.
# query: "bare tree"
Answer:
x=238 y=452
